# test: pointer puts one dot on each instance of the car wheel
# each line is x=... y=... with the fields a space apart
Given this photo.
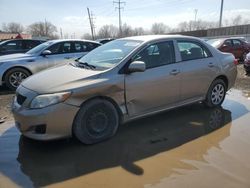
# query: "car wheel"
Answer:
x=216 y=93
x=14 y=77
x=96 y=121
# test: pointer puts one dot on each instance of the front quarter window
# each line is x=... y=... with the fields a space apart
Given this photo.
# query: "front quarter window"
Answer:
x=110 y=54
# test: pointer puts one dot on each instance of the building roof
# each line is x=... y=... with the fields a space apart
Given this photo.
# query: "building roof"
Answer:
x=5 y=36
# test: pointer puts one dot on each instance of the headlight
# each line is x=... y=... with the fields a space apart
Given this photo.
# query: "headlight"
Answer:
x=42 y=101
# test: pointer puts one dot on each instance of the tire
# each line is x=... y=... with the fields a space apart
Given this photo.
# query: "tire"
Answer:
x=97 y=120
x=243 y=57
x=14 y=77
x=216 y=93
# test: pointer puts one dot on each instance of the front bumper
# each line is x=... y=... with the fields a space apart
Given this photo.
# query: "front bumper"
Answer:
x=57 y=120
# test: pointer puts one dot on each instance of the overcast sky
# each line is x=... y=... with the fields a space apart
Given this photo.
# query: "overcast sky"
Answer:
x=72 y=17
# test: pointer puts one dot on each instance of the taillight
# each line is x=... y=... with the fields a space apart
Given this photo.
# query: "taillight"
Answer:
x=236 y=62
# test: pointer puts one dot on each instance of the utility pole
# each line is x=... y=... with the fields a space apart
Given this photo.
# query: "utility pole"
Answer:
x=61 y=33
x=195 y=14
x=91 y=25
x=45 y=27
x=119 y=3
x=221 y=12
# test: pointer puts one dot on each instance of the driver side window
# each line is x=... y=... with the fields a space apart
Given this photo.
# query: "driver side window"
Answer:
x=157 y=54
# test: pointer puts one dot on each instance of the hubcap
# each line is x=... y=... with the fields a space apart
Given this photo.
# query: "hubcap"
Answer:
x=217 y=94
x=216 y=119
x=97 y=122
x=16 y=78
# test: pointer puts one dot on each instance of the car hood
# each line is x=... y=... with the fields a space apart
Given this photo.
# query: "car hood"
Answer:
x=61 y=78
x=15 y=57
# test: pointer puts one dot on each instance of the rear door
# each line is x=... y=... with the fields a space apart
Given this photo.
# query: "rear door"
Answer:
x=197 y=69
x=159 y=85
x=82 y=48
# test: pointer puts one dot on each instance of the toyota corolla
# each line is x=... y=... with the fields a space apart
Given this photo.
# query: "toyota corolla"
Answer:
x=122 y=80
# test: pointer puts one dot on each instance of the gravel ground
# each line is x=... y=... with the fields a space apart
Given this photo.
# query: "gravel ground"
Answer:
x=242 y=83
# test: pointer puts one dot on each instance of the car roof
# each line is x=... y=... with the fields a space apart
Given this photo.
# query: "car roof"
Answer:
x=68 y=40
x=146 y=38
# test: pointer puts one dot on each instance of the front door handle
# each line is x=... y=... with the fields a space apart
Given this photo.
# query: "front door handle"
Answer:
x=174 y=72
x=67 y=57
x=211 y=64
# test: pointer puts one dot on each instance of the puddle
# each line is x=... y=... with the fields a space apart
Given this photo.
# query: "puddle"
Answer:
x=192 y=146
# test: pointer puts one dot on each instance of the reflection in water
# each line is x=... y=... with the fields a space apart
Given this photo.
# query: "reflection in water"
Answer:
x=47 y=163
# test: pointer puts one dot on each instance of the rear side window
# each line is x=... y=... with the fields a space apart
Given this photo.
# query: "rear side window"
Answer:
x=61 y=48
x=157 y=54
x=192 y=50
x=236 y=42
x=91 y=46
x=31 y=44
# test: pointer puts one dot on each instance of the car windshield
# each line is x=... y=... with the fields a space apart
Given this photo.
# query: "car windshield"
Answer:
x=110 y=54
x=215 y=42
x=39 y=48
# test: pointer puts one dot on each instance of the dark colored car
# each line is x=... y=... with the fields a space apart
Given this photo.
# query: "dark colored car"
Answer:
x=104 y=41
x=247 y=63
x=239 y=47
x=18 y=46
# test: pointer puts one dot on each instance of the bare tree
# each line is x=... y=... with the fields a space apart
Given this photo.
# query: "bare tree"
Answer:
x=87 y=36
x=108 y=31
x=195 y=25
x=237 y=20
x=126 y=30
x=44 y=29
x=13 y=27
x=139 y=31
x=159 y=28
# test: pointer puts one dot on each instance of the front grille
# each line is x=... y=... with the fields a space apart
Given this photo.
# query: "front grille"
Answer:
x=20 y=99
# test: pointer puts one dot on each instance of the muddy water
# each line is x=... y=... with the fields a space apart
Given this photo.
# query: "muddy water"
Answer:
x=191 y=146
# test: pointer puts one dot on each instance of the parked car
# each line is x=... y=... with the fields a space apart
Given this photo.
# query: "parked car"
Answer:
x=239 y=47
x=247 y=63
x=120 y=81
x=16 y=67
x=105 y=40
x=18 y=46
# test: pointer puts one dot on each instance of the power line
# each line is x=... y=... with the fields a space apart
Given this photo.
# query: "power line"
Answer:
x=119 y=3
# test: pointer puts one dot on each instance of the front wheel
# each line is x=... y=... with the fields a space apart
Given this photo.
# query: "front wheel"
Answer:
x=14 y=77
x=96 y=121
x=216 y=93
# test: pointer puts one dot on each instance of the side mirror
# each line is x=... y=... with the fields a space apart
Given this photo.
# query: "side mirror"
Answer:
x=46 y=52
x=137 y=66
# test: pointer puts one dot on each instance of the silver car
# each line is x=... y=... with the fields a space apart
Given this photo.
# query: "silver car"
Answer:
x=16 y=67
x=120 y=81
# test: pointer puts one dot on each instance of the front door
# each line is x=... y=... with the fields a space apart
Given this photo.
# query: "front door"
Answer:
x=158 y=86
x=61 y=54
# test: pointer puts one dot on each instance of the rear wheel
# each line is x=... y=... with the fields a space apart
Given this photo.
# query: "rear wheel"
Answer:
x=96 y=121
x=216 y=93
x=14 y=77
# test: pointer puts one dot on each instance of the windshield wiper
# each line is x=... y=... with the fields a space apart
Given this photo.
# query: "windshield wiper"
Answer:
x=84 y=64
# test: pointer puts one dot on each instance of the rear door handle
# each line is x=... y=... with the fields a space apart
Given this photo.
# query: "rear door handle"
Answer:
x=211 y=64
x=174 y=72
